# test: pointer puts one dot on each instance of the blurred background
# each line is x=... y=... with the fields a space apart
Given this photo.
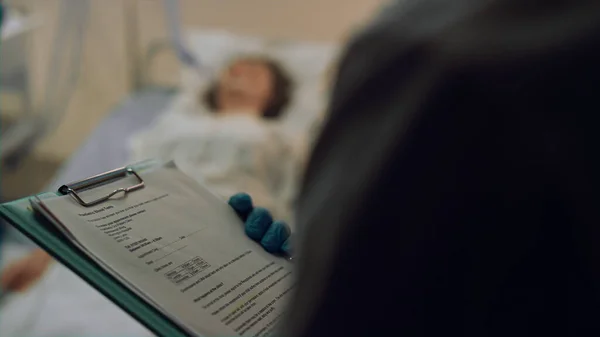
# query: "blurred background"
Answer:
x=90 y=85
x=65 y=66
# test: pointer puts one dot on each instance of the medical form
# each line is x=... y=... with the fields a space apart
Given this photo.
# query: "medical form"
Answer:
x=182 y=249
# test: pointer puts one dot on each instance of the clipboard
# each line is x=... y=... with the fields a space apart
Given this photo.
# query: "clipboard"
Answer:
x=37 y=228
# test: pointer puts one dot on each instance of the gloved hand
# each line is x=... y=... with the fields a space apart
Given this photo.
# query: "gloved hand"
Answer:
x=274 y=236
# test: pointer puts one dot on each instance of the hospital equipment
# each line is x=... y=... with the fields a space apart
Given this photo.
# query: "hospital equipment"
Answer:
x=24 y=130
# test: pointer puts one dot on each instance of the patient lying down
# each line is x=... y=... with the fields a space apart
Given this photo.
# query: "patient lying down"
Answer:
x=236 y=147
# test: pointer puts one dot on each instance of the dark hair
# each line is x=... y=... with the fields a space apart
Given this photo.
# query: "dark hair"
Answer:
x=282 y=90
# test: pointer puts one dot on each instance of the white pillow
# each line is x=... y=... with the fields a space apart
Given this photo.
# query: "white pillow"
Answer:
x=306 y=62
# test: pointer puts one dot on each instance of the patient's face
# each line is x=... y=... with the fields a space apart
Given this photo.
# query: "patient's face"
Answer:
x=246 y=85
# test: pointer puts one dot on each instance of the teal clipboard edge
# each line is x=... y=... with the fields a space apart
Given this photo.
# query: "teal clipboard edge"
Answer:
x=40 y=231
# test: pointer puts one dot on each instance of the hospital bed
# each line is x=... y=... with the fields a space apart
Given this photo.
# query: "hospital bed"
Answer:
x=61 y=304
x=107 y=146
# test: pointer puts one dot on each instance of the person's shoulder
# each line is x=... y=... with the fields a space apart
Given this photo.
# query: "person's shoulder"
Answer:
x=413 y=37
x=414 y=19
x=401 y=35
x=463 y=25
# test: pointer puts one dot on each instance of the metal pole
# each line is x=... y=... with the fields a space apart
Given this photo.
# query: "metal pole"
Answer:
x=132 y=43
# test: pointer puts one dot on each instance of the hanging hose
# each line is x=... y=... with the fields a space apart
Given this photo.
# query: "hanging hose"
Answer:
x=64 y=68
x=173 y=21
x=56 y=101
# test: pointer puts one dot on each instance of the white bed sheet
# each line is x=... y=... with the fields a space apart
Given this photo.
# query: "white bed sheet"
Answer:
x=230 y=153
x=62 y=305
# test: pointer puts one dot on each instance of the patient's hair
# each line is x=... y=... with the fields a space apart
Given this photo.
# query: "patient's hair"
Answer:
x=282 y=90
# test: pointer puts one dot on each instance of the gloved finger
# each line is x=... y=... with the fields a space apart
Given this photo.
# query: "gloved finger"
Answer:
x=274 y=237
x=287 y=248
x=258 y=223
x=241 y=204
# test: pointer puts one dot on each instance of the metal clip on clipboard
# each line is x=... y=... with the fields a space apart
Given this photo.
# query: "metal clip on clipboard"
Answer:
x=103 y=179
x=99 y=180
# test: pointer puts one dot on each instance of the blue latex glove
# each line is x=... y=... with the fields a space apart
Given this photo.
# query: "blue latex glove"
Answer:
x=274 y=236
